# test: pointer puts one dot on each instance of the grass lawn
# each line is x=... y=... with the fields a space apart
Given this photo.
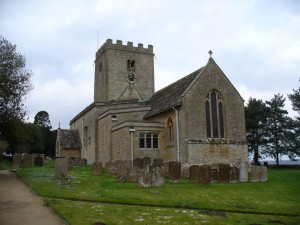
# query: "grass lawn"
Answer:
x=89 y=199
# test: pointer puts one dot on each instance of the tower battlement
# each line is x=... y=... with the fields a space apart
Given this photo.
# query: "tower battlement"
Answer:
x=129 y=47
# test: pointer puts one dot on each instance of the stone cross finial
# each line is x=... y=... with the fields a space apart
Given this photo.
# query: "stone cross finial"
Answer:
x=210 y=53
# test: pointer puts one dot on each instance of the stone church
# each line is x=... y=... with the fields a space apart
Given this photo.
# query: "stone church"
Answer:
x=197 y=119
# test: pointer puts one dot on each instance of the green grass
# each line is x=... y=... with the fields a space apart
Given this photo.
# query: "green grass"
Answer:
x=102 y=198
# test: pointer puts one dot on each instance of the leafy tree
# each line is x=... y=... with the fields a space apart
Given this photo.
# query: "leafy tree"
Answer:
x=256 y=115
x=278 y=128
x=295 y=99
x=15 y=84
x=42 y=120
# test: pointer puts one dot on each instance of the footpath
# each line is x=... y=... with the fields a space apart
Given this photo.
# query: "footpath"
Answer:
x=20 y=206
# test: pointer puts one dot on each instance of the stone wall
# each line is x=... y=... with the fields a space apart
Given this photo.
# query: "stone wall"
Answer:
x=217 y=153
x=70 y=153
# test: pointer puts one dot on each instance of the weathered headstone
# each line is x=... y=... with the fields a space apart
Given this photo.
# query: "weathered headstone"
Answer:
x=97 y=169
x=38 y=161
x=224 y=173
x=157 y=180
x=185 y=171
x=214 y=173
x=243 y=172
x=255 y=174
x=204 y=174
x=174 y=171
x=122 y=173
x=110 y=168
x=234 y=174
x=138 y=162
x=132 y=174
x=263 y=176
x=61 y=168
x=144 y=179
x=194 y=173
x=146 y=162
x=27 y=160
x=157 y=162
x=17 y=161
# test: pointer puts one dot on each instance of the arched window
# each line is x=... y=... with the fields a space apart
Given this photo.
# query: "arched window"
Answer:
x=170 y=130
x=130 y=65
x=214 y=115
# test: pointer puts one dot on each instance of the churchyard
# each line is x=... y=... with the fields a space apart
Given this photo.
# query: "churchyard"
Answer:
x=87 y=194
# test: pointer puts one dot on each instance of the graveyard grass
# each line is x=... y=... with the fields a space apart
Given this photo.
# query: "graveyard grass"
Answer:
x=89 y=199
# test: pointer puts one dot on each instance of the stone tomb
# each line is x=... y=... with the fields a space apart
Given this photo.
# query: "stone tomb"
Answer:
x=224 y=173
x=17 y=161
x=38 y=161
x=174 y=171
x=61 y=168
x=204 y=174
x=97 y=169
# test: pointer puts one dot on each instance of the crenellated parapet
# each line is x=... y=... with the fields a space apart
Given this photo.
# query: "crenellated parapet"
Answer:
x=129 y=47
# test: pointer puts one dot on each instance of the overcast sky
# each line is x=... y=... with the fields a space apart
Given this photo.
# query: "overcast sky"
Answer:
x=255 y=42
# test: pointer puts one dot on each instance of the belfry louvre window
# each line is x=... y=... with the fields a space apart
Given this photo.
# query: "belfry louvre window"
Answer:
x=130 y=65
x=214 y=115
x=148 y=141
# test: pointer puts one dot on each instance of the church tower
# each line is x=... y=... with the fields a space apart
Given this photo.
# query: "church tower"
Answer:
x=123 y=72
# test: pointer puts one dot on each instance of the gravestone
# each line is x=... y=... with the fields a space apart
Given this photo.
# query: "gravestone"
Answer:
x=194 y=173
x=146 y=162
x=61 y=168
x=97 y=169
x=38 y=161
x=243 y=172
x=185 y=171
x=128 y=163
x=27 y=160
x=204 y=174
x=144 y=179
x=224 y=173
x=138 y=162
x=263 y=176
x=174 y=171
x=157 y=162
x=234 y=174
x=132 y=174
x=157 y=180
x=110 y=168
x=17 y=161
x=119 y=163
x=214 y=173
x=122 y=173
x=255 y=174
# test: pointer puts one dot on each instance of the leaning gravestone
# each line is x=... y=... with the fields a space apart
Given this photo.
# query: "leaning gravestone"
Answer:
x=97 y=169
x=234 y=174
x=224 y=173
x=255 y=174
x=174 y=171
x=263 y=176
x=157 y=162
x=144 y=179
x=157 y=180
x=122 y=173
x=204 y=174
x=27 y=160
x=138 y=162
x=146 y=162
x=132 y=174
x=17 y=161
x=194 y=173
x=243 y=172
x=38 y=161
x=61 y=168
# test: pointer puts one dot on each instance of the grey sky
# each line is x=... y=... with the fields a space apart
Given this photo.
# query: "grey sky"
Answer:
x=255 y=43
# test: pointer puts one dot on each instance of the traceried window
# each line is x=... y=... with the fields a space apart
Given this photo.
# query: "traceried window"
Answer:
x=130 y=65
x=214 y=115
x=148 y=141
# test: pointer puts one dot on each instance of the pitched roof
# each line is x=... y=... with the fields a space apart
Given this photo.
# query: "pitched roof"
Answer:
x=170 y=96
x=69 y=138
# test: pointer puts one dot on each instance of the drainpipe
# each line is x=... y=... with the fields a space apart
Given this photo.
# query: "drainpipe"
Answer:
x=131 y=131
x=82 y=144
x=177 y=133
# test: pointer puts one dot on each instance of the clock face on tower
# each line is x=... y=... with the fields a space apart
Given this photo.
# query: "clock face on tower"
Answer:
x=131 y=77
